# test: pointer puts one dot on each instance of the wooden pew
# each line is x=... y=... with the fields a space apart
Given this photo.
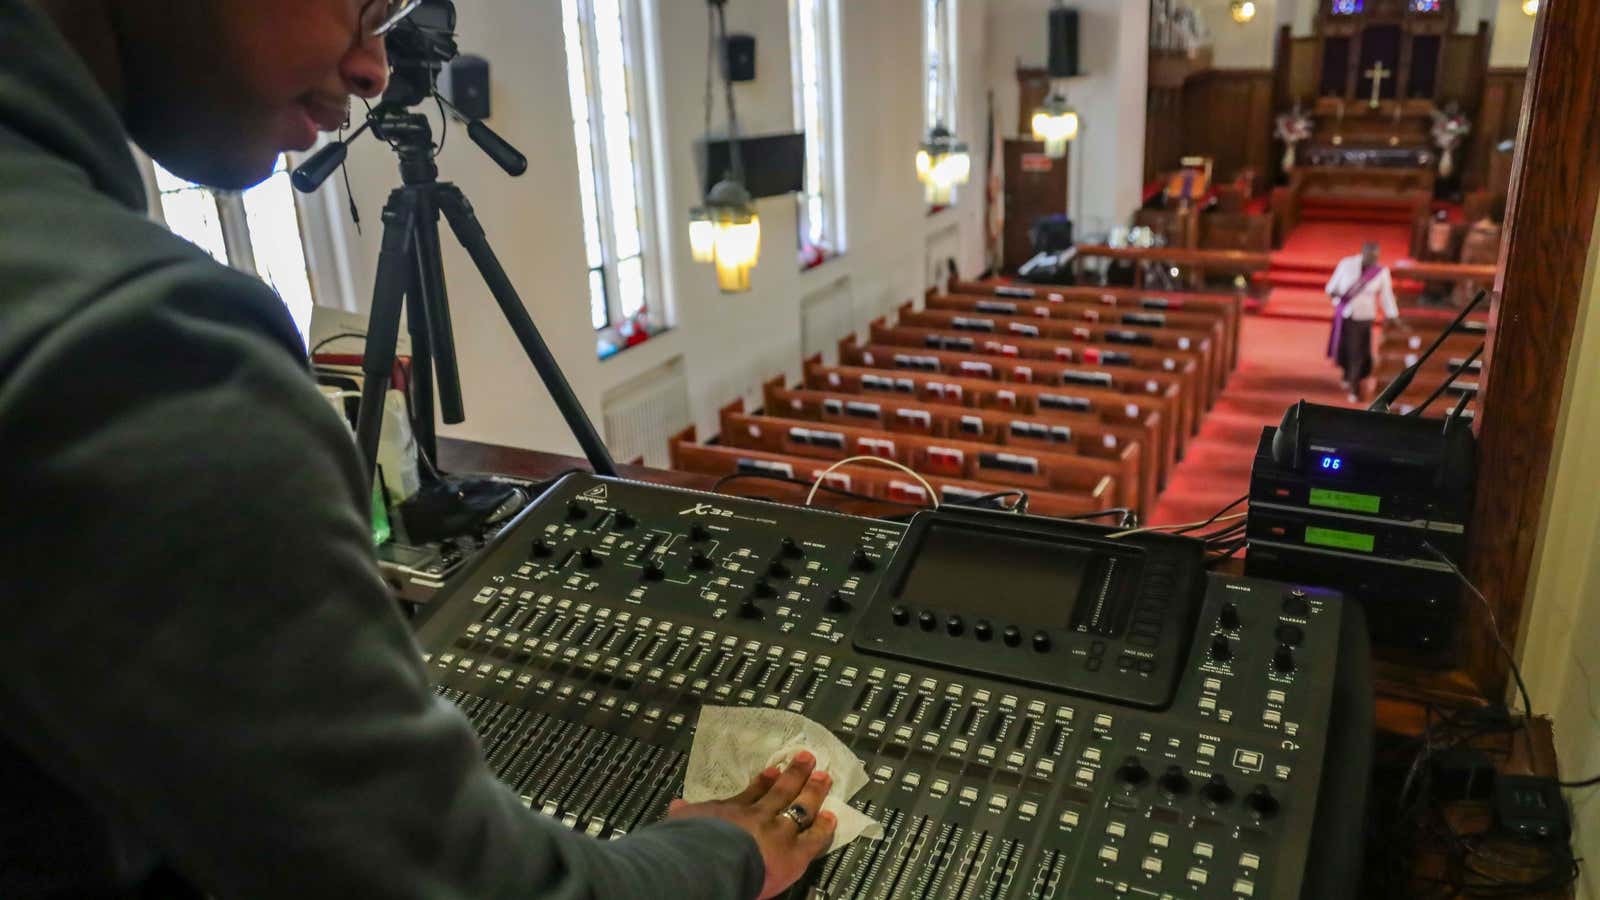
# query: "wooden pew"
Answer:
x=1123 y=368
x=1146 y=423
x=688 y=455
x=1197 y=263
x=1057 y=470
x=1084 y=434
x=1181 y=342
x=1229 y=306
x=1125 y=364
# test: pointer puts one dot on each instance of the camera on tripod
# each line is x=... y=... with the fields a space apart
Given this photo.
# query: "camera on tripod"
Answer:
x=419 y=49
x=410 y=276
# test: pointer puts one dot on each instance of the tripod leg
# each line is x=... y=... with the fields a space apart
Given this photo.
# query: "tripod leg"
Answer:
x=421 y=363
x=470 y=233
x=430 y=272
x=395 y=270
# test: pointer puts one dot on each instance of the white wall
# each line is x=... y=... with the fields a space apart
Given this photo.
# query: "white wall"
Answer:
x=1560 y=650
x=1109 y=155
x=1513 y=36
x=1241 y=46
x=729 y=343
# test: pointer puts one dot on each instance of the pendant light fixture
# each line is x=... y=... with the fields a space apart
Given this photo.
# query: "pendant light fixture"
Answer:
x=1530 y=7
x=943 y=164
x=1055 y=122
x=1244 y=11
x=725 y=229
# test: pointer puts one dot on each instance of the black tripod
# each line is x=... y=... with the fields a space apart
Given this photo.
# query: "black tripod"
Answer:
x=411 y=276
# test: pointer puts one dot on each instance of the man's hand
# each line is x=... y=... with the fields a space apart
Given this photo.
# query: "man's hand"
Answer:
x=786 y=847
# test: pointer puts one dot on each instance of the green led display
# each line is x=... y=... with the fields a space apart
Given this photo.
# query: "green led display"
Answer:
x=1367 y=503
x=1342 y=540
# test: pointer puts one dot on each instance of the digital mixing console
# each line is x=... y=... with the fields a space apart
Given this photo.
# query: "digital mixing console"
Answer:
x=1044 y=711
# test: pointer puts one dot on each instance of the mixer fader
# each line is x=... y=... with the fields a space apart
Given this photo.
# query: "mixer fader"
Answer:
x=1044 y=712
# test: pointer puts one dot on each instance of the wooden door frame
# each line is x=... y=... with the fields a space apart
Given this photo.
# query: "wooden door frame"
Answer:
x=1550 y=215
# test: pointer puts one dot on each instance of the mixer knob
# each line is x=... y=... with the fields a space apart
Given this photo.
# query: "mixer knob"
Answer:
x=1216 y=791
x=589 y=558
x=1261 y=803
x=901 y=615
x=927 y=620
x=791 y=548
x=837 y=603
x=777 y=569
x=1283 y=659
x=541 y=549
x=1173 y=782
x=983 y=630
x=954 y=626
x=699 y=560
x=1221 y=649
x=698 y=533
x=653 y=571
x=1041 y=641
x=861 y=562
x=1012 y=635
x=1229 y=617
x=1132 y=772
x=764 y=588
x=576 y=511
x=1293 y=635
x=749 y=610
x=624 y=520
x=1294 y=603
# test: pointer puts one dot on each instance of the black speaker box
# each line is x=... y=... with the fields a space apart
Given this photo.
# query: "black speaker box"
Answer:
x=468 y=87
x=741 y=57
x=1064 y=43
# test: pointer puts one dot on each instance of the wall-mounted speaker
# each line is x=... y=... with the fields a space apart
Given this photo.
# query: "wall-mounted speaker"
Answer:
x=1064 y=43
x=740 y=57
x=466 y=83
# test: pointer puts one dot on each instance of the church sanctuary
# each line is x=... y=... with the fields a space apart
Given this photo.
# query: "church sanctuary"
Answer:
x=804 y=449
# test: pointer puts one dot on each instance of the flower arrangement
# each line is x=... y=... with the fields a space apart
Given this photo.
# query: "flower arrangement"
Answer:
x=1449 y=128
x=1293 y=128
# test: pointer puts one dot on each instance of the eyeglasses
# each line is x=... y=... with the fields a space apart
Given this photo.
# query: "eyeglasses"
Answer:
x=379 y=17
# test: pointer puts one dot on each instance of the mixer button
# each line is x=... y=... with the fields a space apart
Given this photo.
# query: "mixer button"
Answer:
x=1276 y=696
x=900 y=615
x=954 y=625
x=1139 y=639
x=1028 y=809
x=1116 y=830
x=1244 y=888
x=1204 y=850
x=1196 y=876
x=1151 y=865
x=1102 y=720
x=969 y=794
x=1108 y=854
x=1159 y=840
x=1091 y=754
x=999 y=802
x=1069 y=819
x=927 y=620
x=1012 y=635
x=1041 y=641
x=982 y=630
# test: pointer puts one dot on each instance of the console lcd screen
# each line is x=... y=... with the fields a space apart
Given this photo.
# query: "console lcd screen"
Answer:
x=1006 y=577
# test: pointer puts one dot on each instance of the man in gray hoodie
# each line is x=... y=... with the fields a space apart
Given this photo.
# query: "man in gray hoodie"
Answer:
x=204 y=685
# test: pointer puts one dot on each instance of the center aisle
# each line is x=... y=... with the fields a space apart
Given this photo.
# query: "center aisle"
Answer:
x=1280 y=361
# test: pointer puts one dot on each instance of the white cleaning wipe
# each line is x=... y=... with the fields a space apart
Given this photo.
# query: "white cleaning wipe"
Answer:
x=732 y=744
